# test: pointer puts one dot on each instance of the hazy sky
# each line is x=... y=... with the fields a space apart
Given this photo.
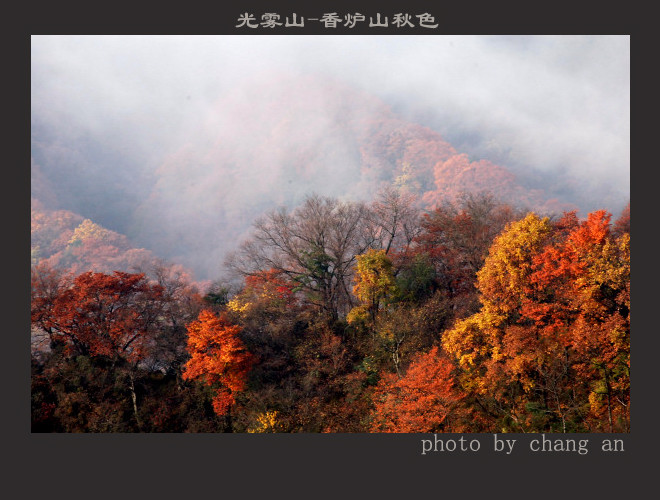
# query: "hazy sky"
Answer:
x=541 y=101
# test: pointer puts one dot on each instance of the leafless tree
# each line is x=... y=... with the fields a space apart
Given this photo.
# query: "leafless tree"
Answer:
x=395 y=219
x=314 y=245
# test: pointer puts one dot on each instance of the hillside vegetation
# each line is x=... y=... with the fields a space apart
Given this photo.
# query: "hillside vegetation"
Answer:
x=352 y=317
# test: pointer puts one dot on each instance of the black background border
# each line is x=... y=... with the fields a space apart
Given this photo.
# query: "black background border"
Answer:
x=175 y=465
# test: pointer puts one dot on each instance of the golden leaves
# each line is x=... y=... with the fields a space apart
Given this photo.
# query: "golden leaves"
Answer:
x=555 y=315
x=267 y=422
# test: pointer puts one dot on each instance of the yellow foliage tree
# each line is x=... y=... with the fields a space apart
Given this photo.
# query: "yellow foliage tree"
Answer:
x=374 y=285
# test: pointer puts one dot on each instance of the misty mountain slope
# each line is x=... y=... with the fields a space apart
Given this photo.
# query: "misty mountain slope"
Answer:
x=66 y=240
x=272 y=143
x=262 y=144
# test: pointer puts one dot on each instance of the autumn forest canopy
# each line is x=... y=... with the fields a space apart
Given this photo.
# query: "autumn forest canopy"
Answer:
x=330 y=234
x=475 y=316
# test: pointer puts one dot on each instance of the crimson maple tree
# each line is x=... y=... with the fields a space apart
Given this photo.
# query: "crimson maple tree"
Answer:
x=97 y=314
x=96 y=318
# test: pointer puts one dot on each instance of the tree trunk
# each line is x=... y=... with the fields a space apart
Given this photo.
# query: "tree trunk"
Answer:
x=134 y=399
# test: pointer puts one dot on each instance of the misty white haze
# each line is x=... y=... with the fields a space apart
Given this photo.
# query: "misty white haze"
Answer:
x=138 y=133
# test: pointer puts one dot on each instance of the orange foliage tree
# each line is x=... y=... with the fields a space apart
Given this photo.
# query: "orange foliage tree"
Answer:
x=218 y=357
x=425 y=399
x=579 y=294
x=550 y=346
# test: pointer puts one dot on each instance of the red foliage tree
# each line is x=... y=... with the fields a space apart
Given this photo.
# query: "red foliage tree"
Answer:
x=456 y=237
x=622 y=224
x=97 y=317
x=96 y=314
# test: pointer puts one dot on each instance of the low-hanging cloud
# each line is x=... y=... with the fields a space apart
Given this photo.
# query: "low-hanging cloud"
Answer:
x=110 y=112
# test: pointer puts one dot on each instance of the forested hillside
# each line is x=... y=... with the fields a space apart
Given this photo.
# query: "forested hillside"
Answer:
x=65 y=240
x=352 y=316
